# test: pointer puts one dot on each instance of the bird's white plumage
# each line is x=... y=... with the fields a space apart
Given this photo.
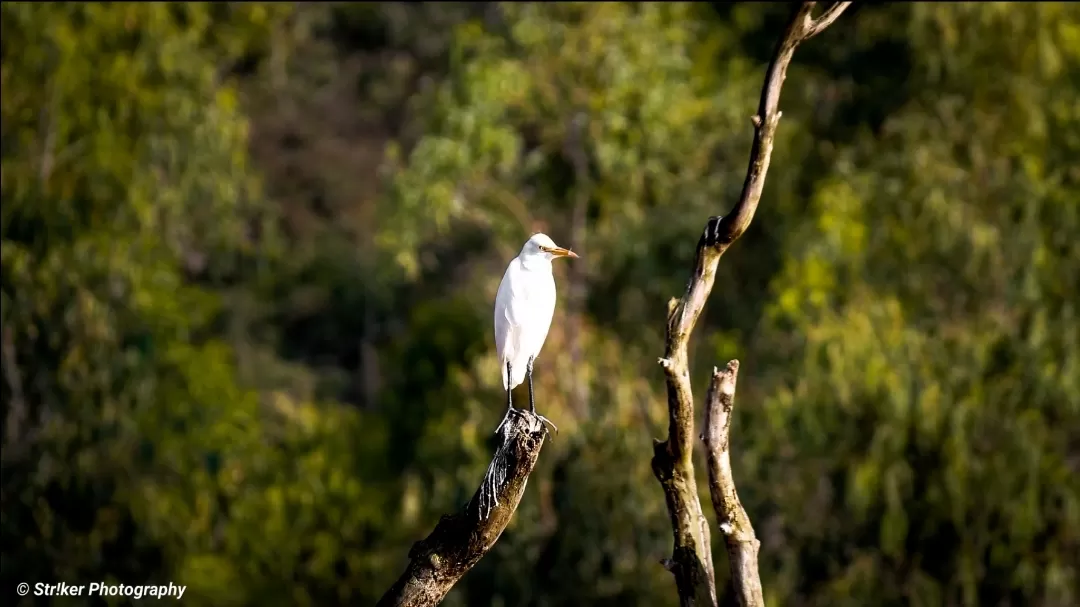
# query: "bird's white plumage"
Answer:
x=524 y=307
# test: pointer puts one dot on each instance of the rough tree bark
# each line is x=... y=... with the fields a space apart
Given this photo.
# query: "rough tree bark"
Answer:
x=742 y=544
x=691 y=560
x=459 y=541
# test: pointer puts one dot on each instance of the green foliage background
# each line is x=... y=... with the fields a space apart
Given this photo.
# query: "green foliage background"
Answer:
x=249 y=252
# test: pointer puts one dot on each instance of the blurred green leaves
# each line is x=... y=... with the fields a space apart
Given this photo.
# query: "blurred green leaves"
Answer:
x=248 y=253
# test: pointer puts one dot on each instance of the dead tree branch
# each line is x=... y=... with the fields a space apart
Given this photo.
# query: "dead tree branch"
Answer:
x=459 y=541
x=742 y=544
x=826 y=19
x=691 y=561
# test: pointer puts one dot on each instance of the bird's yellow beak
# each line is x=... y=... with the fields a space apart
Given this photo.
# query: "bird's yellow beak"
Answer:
x=561 y=252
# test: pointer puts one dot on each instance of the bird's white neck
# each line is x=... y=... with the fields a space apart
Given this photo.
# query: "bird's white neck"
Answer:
x=535 y=263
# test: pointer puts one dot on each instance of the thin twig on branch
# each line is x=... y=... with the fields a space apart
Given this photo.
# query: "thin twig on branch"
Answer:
x=672 y=463
x=825 y=20
x=459 y=541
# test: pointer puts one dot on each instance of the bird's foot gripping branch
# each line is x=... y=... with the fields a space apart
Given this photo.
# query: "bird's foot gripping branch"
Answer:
x=495 y=479
x=460 y=540
x=531 y=414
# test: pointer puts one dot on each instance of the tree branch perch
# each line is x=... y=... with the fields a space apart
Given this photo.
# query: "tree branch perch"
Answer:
x=672 y=462
x=459 y=541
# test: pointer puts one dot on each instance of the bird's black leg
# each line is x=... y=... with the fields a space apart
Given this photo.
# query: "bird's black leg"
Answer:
x=509 y=374
x=532 y=398
x=509 y=400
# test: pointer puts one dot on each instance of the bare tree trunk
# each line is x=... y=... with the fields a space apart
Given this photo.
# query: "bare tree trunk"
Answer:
x=691 y=561
x=459 y=541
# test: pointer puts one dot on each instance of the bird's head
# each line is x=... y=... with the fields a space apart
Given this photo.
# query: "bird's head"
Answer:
x=542 y=246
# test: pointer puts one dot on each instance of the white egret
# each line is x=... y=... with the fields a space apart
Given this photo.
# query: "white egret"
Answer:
x=524 y=306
